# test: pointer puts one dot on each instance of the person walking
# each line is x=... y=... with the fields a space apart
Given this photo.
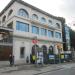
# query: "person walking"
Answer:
x=10 y=59
x=27 y=59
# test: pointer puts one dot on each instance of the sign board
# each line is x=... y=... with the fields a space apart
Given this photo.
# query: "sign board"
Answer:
x=51 y=56
x=66 y=56
x=40 y=57
x=34 y=41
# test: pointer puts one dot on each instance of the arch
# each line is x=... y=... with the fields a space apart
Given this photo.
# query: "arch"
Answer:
x=33 y=49
x=10 y=12
x=45 y=58
x=23 y=12
x=44 y=49
x=4 y=18
x=35 y=17
x=43 y=20
x=51 y=51
x=57 y=25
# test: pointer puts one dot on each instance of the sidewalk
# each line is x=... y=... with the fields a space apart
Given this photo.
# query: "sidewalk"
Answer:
x=32 y=68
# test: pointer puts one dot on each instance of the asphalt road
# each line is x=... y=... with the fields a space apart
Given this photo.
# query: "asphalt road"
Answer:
x=66 y=71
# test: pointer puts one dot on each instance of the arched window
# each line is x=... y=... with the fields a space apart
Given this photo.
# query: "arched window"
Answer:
x=43 y=20
x=57 y=25
x=4 y=18
x=51 y=50
x=50 y=22
x=23 y=12
x=44 y=53
x=35 y=17
x=34 y=47
x=10 y=12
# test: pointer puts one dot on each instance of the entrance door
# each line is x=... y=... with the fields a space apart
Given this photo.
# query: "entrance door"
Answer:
x=5 y=52
x=44 y=54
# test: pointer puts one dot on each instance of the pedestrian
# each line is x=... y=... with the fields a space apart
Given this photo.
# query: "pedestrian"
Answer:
x=34 y=58
x=10 y=59
x=27 y=59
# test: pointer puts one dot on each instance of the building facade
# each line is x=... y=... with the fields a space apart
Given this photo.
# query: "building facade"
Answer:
x=67 y=33
x=30 y=29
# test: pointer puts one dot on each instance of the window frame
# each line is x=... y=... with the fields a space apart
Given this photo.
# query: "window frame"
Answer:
x=21 y=25
x=43 y=33
x=58 y=35
x=51 y=34
x=43 y=20
x=23 y=12
x=22 y=52
x=4 y=18
x=37 y=31
x=10 y=12
x=34 y=17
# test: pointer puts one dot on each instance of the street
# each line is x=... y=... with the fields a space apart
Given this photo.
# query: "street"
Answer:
x=70 y=71
x=57 y=69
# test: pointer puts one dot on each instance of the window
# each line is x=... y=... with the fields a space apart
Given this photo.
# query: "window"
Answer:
x=10 y=25
x=58 y=35
x=4 y=18
x=43 y=32
x=50 y=22
x=51 y=50
x=35 y=17
x=23 y=12
x=22 y=26
x=50 y=33
x=10 y=12
x=22 y=52
x=43 y=20
x=35 y=30
x=57 y=25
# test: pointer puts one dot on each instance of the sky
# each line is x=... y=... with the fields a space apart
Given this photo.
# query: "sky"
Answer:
x=61 y=8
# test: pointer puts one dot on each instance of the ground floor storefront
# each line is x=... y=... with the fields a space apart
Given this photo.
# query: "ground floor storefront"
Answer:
x=24 y=50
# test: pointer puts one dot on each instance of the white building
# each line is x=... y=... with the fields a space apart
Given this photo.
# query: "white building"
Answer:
x=26 y=23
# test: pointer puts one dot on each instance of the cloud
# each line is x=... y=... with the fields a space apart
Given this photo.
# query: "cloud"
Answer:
x=68 y=7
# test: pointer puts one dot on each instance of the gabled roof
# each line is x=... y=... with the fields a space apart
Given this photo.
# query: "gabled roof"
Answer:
x=29 y=5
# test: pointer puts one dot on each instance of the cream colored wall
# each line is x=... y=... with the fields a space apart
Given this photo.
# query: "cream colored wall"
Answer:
x=19 y=37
